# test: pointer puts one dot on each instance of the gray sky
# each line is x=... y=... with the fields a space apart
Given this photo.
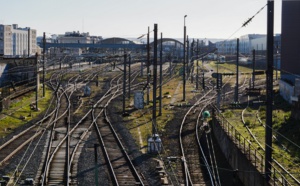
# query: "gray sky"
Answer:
x=131 y=18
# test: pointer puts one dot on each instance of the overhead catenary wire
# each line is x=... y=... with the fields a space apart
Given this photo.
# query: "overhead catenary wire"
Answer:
x=244 y=24
x=250 y=19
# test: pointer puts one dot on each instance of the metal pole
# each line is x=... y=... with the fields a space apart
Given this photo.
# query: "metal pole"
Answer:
x=28 y=42
x=160 y=75
x=277 y=58
x=154 y=80
x=148 y=66
x=37 y=82
x=124 y=82
x=96 y=166
x=184 y=58
x=44 y=73
x=68 y=150
x=170 y=64
x=142 y=63
x=129 y=79
x=253 y=66
x=187 y=56
x=269 y=79
x=203 y=80
x=236 y=96
x=197 y=79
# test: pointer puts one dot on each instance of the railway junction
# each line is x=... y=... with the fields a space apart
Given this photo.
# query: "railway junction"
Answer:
x=160 y=113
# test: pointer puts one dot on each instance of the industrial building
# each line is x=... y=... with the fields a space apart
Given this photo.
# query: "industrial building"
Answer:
x=72 y=37
x=228 y=47
x=16 y=41
x=290 y=52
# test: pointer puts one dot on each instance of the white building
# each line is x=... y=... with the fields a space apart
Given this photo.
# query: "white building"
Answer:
x=14 y=41
x=76 y=37
x=246 y=45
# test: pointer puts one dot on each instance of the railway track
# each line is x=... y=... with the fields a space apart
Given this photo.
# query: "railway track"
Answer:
x=120 y=166
x=57 y=164
x=66 y=139
x=35 y=132
x=191 y=130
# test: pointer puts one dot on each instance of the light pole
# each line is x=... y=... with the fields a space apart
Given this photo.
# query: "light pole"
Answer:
x=44 y=72
x=184 y=44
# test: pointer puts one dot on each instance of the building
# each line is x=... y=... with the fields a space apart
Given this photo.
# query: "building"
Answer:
x=290 y=40
x=77 y=37
x=290 y=51
x=16 y=42
x=246 y=45
x=74 y=37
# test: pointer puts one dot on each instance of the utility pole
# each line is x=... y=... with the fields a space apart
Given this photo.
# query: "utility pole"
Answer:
x=253 y=67
x=203 y=80
x=170 y=64
x=44 y=72
x=187 y=56
x=28 y=42
x=277 y=59
x=197 y=79
x=124 y=82
x=184 y=58
x=142 y=64
x=154 y=80
x=269 y=93
x=148 y=66
x=68 y=149
x=129 y=72
x=192 y=61
x=96 y=165
x=236 y=95
x=160 y=75
x=37 y=82
x=219 y=89
x=192 y=47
